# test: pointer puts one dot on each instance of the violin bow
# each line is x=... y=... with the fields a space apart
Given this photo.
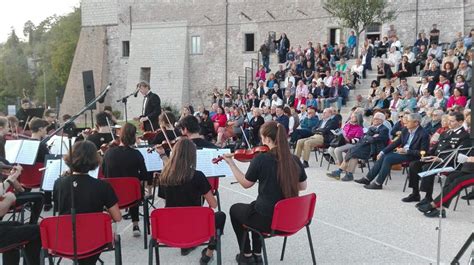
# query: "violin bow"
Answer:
x=172 y=126
x=245 y=136
x=110 y=128
x=166 y=136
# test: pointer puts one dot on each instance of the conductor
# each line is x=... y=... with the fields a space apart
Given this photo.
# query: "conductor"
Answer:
x=151 y=107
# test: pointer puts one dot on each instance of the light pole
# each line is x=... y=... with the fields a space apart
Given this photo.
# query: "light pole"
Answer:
x=44 y=80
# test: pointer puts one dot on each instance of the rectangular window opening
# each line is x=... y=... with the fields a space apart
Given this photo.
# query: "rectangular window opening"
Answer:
x=145 y=73
x=249 y=42
x=125 y=48
x=196 y=45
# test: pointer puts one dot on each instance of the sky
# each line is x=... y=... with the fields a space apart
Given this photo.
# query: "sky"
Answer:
x=15 y=13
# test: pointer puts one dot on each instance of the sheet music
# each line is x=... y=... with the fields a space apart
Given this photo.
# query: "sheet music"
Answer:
x=153 y=160
x=28 y=152
x=12 y=148
x=21 y=151
x=222 y=168
x=52 y=173
x=204 y=163
x=435 y=171
x=55 y=144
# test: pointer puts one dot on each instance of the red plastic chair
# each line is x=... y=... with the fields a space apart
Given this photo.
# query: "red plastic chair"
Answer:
x=31 y=177
x=214 y=182
x=94 y=236
x=289 y=217
x=129 y=194
x=181 y=227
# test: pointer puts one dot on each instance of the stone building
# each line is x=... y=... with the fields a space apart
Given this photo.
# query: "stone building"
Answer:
x=180 y=45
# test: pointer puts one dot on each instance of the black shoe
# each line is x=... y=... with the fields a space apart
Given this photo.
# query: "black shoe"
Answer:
x=258 y=259
x=241 y=259
x=47 y=207
x=305 y=164
x=412 y=198
x=186 y=251
x=205 y=259
x=127 y=216
x=362 y=181
x=435 y=213
x=425 y=207
x=373 y=186
x=424 y=201
x=469 y=196
x=136 y=231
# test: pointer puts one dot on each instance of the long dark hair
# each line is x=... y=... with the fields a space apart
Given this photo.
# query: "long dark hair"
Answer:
x=288 y=170
x=181 y=165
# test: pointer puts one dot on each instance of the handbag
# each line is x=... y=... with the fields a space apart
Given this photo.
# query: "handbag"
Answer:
x=337 y=141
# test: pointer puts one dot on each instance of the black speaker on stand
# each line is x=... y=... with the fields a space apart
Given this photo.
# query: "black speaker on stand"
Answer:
x=89 y=93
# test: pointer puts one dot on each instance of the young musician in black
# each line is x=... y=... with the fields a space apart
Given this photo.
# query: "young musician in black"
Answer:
x=151 y=108
x=104 y=132
x=91 y=195
x=183 y=185
x=189 y=127
x=166 y=121
x=279 y=174
x=125 y=161
x=50 y=116
x=12 y=233
x=207 y=126
x=38 y=129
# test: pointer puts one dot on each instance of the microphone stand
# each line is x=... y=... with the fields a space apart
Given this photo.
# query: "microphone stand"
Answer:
x=67 y=127
x=124 y=101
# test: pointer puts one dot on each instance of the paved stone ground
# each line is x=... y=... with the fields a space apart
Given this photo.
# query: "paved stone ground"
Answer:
x=350 y=225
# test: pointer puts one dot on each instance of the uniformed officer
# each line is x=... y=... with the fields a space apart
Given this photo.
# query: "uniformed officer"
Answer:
x=454 y=137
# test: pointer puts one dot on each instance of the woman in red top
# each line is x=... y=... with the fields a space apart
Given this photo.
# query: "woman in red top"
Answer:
x=220 y=121
x=457 y=99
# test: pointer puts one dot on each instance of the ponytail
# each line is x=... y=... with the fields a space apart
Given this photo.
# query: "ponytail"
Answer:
x=288 y=170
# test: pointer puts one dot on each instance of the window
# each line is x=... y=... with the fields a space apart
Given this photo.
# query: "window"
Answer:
x=145 y=73
x=373 y=28
x=249 y=42
x=196 y=45
x=126 y=48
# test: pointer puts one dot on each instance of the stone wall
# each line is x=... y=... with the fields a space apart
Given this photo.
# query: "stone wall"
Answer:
x=160 y=31
x=90 y=54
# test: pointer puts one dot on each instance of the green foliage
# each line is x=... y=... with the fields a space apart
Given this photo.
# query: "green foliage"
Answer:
x=359 y=14
x=44 y=60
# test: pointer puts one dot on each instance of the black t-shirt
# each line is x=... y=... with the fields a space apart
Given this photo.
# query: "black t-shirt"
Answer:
x=90 y=195
x=124 y=161
x=264 y=169
x=189 y=193
x=202 y=143
x=160 y=137
x=99 y=139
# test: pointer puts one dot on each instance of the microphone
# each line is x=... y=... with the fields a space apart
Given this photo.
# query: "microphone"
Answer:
x=136 y=92
x=102 y=98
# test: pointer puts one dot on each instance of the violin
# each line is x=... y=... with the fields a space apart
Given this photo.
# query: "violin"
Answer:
x=113 y=143
x=164 y=145
x=244 y=155
x=149 y=136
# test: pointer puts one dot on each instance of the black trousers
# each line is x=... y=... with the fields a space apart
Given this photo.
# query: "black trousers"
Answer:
x=241 y=214
x=427 y=183
x=13 y=233
x=36 y=201
x=456 y=181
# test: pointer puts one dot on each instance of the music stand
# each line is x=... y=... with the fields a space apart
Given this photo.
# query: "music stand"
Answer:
x=31 y=113
x=443 y=164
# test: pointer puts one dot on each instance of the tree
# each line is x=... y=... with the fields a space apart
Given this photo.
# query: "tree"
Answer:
x=359 y=14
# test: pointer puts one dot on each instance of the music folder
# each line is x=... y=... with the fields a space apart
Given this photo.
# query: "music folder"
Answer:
x=153 y=161
x=21 y=151
x=204 y=162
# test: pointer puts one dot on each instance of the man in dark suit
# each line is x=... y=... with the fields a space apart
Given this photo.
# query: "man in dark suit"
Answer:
x=451 y=139
x=413 y=140
x=253 y=101
x=322 y=136
x=151 y=108
x=374 y=141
